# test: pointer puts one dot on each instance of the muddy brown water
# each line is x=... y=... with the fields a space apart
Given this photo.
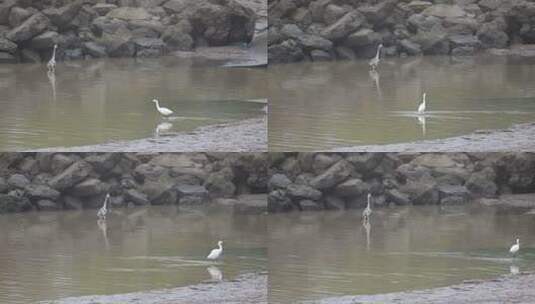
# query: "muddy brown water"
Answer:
x=330 y=254
x=323 y=106
x=55 y=255
x=99 y=101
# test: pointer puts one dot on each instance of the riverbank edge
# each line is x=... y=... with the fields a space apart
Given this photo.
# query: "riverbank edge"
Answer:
x=518 y=138
x=504 y=289
x=249 y=135
x=246 y=288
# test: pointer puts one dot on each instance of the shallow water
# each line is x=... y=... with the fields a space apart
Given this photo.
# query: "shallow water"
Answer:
x=98 y=101
x=321 y=106
x=53 y=255
x=325 y=254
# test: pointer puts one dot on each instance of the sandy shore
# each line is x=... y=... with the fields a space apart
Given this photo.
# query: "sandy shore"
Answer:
x=244 y=136
x=507 y=289
x=248 y=288
x=517 y=138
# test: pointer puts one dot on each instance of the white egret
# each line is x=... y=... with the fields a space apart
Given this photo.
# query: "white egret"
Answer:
x=216 y=253
x=52 y=62
x=162 y=110
x=368 y=210
x=375 y=60
x=104 y=209
x=514 y=249
x=514 y=270
x=421 y=107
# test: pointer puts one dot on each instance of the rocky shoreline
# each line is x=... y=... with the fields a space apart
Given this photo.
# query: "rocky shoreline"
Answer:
x=249 y=135
x=71 y=181
x=506 y=289
x=517 y=138
x=247 y=288
x=338 y=181
x=85 y=29
x=328 y=29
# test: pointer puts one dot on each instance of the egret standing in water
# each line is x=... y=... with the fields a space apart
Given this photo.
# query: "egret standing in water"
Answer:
x=515 y=248
x=104 y=209
x=368 y=210
x=216 y=253
x=374 y=63
x=421 y=107
x=162 y=110
x=52 y=63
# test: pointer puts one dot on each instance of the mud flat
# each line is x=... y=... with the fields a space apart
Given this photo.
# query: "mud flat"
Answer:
x=244 y=136
x=248 y=288
x=507 y=289
x=517 y=138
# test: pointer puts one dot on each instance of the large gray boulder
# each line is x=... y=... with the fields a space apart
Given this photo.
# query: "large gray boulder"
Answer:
x=7 y=46
x=344 y=26
x=62 y=16
x=14 y=203
x=333 y=176
x=30 y=28
x=71 y=176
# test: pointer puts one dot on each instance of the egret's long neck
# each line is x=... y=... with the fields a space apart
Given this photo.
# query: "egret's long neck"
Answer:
x=220 y=246
x=378 y=52
x=423 y=100
x=105 y=203
x=368 y=202
x=54 y=54
x=157 y=104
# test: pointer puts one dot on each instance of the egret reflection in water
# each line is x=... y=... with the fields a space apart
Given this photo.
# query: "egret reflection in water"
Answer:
x=215 y=273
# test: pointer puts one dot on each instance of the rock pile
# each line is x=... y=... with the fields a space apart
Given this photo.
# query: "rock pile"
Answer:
x=317 y=181
x=118 y=28
x=330 y=29
x=54 y=181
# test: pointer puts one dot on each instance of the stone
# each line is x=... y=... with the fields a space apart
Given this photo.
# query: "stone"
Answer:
x=18 y=15
x=344 y=26
x=219 y=184
x=410 y=47
x=192 y=190
x=251 y=204
x=18 y=181
x=287 y=51
x=308 y=205
x=351 y=188
x=94 y=49
x=453 y=190
x=463 y=51
x=89 y=187
x=364 y=163
x=13 y=203
x=418 y=6
x=5 y=9
x=149 y=47
x=445 y=11
x=30 y=28
x=307 y=41
x=279 y=202
x=378 y=13
x=319 y=55
x=47 y=205
x=73 y=203
x=120 y=44
x=345 y=53
x=104 y=8
x=74 y=174
x=492 y=37
x=296 y=191
x=333 y=13
x=464 y=41
x=363 y=37
x=60 y=162
x=37 y=192
x=278 y=181
x=136 y=197
x=73 y=54
x=103 y=163
x=334 y=175
x=63 y=16
x=4 y=187
x=129 y=13
x=334 y=203
x=103 y=25
x=421 y=192
x=480 y=185
x=177 y=38
x=397 y=197
x=45 y=40
x=7 y=46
